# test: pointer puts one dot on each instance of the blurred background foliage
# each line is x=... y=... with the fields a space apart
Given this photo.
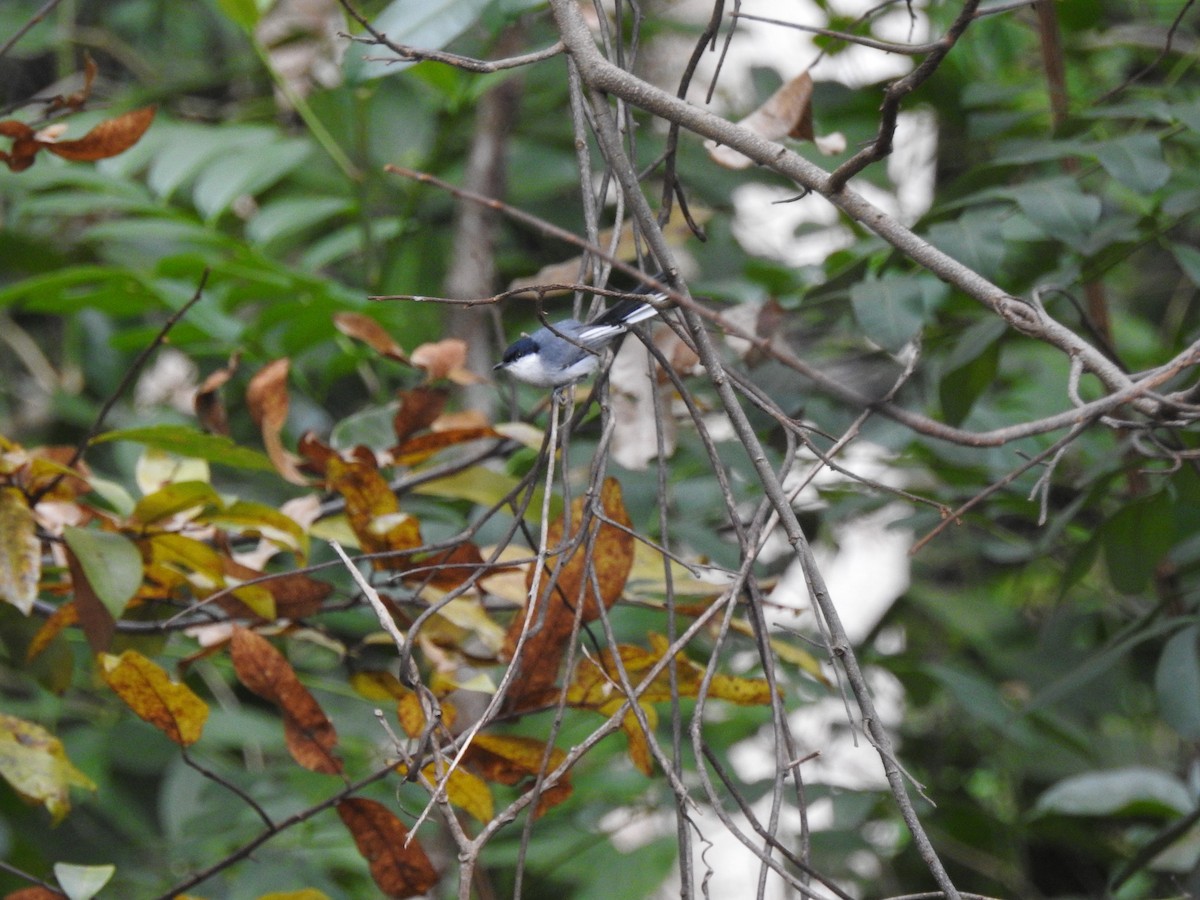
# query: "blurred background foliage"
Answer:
x=1050 y=669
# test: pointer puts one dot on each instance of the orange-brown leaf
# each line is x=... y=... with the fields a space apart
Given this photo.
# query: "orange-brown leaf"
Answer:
x=372 y=508
x=448 y=569
x=468 y=792
x=210 y=408
x=296 y=595
x=508 y=759
x=63 y=617
x=95 y=619
x=371 y=333
x=36 y=892
x=419 y=408
x=146 y=689
x=263 y=670
x=267 y=400
x=398 y=869
x=445 y=359
x=418 y=449
x=786 y=113
x=80 y=97
x=605 y=560
x=109 y=138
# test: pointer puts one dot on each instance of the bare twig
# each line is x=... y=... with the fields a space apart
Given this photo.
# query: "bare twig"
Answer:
x=131 y=374
x=405 y=53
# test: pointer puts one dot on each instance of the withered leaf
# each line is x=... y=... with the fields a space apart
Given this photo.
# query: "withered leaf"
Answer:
x=372 y=508
x=510 y=759
x=371 y=333
x=263 y=670
x=418 y=449
x=110 y=138
x=786 y=113
x=146 y=689
x=210 y=409
x=398 y=869
x=296 y=595
x=97 y=622
x=80 y=97
x=604 y=560
x=419 y=408
x=445 y=359
x=267 y=400
x=20 y=551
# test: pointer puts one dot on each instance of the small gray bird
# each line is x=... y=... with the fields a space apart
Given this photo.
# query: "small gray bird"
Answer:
x=571 y=351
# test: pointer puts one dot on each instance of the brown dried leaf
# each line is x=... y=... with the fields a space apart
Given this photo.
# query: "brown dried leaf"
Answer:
x=63 y=617
x=786 y=113
x=110 y=138
x=372 y=508
x=445 y=359
x=36 y=892
x=263 y=670
x=418 y=449
x=210 y=408
x=20 y=551
x=296 y=595
x=267 y=399
x=95 y=619
x=607 y=564
x=419 y=408
x=508 y=759
x=146 y=689
x=399 y=866
x=450 y=568
x=315 y=453
x=370 y=332
x=79 y=98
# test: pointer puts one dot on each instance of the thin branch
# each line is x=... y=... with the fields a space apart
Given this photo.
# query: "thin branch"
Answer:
x=895 y=93
x=47 y=8
x=266 y=834
x=869 y=42
x=131 y=374
x=1163 y=54
x=405 y=53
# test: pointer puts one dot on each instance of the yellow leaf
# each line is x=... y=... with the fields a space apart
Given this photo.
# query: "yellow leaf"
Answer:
x=468 y=792
x=33 y=761
x=20 y=551
x=170 y=707
x=302 y=894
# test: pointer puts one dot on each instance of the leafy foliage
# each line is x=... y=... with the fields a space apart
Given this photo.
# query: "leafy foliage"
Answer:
x=1023 y=369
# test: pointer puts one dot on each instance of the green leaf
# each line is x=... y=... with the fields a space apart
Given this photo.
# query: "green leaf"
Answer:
x=973 y=239
x=892 y=311
x=82 y=882
x=233 y=175
x=1135 y=160
x=1060 y=209
x=1135 y=539
x=971 y=369
x=172 y=499
x=1189 y=260
x=244 y=13
x=247 y=517
x=1177 y=682
x=1136 y=790
x=185 y=441
x=111 y=562
x=284 y=218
